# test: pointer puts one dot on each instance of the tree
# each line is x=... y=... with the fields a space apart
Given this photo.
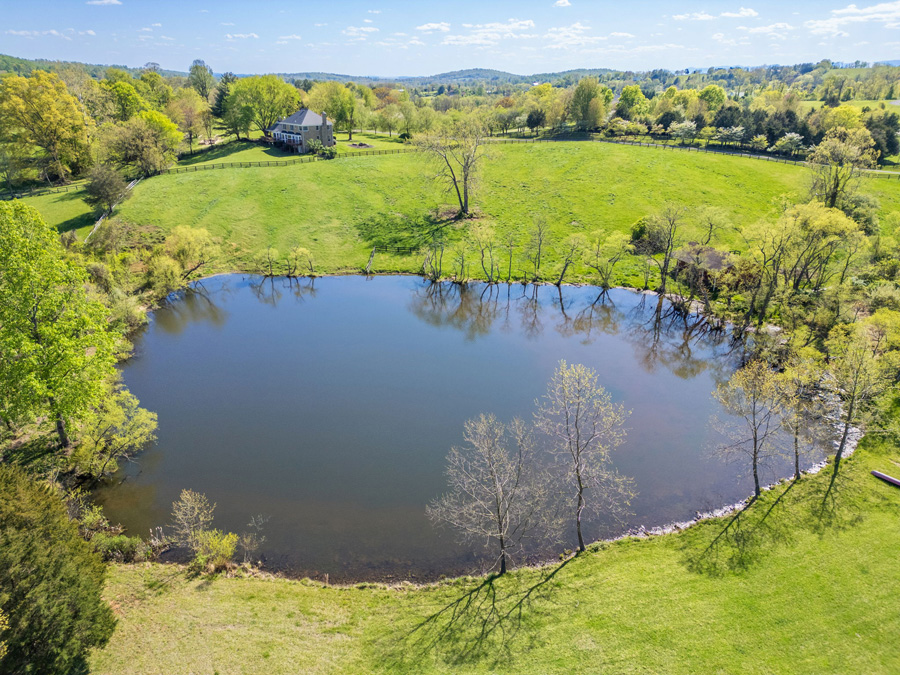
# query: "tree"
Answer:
x=147 y=142
x=117 y=429
x=537 y=239
x=589 y=102
x=837 y=162
x=457 y=149
x=632 y=102
x=714 y=96
x=126 y=100
x=683 y=131
x=105 y=188
x=222 y=89
x=856 y=375
x=201 y=78
x=572 y=248
x=584 y=426
x=192 y=248
x=51 y=582
x=186 y=109
x=789 y=144
x=335 y=100
x=496 y=492
x=753 y=395
x=665 y=229
x=536 y=119
x=265 y=99
x=38 y=111
x=56 y=347
x=605 y=252
x=192 y=515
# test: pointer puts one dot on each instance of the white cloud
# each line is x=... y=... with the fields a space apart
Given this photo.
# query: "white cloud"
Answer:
x=226 y=23
x=775 y=30
x=38 y=33
x=576 y=35
x=562 y=3
x=416 y=42
x=623 y=35
x=319 y=25
x=241 y=36
x=742 y=13
x=165 y=37
x=693 y=16
x=441 y=27
x=490 y=34
x=290 y=37
x=367 y=20
x=374 y=11
x=147 y=30
x=359 y=31
x=86 y=32
x=156 y=25
x=103 y=2
x=886 y=13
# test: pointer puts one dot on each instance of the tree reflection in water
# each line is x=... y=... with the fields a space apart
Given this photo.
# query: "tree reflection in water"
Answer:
x=662 y=333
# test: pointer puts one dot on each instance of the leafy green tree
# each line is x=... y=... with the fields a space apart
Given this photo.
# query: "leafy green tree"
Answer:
x=632 y=102
x=147 y=142
x=837 y=162
x=536 y=119
x=590 y=102
x=714 y=96
x=265 y=99
x=186 y=109
x=222 y=89
x=51 y=582
x=38 y=111
x=335 y=100
x=118 y=428
x=126 y=100
x=201 y=78
x=56 y=347
x=105 y=188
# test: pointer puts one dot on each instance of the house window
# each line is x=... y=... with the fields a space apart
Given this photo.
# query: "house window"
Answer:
x=305 y=128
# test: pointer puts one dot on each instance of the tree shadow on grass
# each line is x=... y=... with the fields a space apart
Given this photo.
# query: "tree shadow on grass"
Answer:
x=402 y=231
x=483 y=623
x=225 y=151
x=817 y=503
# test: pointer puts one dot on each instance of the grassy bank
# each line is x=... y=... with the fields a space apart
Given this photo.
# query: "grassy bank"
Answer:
x=795 y=590
x=341 y=209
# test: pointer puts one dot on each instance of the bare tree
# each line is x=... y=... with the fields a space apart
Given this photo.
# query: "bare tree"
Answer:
x=496 y=492
x=604 y=253
x=665 y=229
x=856 y=375
x=509 y=245
x=458 y=149
x=572 y=248
x=536 y=242
x=585 y=426
x=483 y=237
x=753 y=395
x=192 y=515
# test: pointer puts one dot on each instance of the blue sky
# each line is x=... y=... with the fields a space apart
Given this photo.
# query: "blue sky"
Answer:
x=393 y=37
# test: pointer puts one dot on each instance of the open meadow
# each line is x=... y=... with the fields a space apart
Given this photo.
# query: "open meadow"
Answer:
x=342 y=208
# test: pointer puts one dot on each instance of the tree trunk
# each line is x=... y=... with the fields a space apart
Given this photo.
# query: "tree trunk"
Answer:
x=61 y=432
x=580 y=508
x=847 y=424
x=796 y=455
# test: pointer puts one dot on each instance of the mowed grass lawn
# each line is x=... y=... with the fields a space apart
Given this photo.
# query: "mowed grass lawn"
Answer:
x=810 y=599
x=248 y=151
x=340 y=209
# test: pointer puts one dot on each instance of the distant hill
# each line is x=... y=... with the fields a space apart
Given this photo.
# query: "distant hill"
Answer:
x=13 y=64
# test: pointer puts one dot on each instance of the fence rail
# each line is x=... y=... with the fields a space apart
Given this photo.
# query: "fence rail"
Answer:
x=37 y=192
x=869 y=173
x=306 y=159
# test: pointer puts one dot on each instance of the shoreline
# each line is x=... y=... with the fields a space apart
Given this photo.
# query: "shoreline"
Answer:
x=424 y=579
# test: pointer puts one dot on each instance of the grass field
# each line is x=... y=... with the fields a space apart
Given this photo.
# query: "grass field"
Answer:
x=244 y=151
x=806 y=106
x=810 y=592
x=341 y=209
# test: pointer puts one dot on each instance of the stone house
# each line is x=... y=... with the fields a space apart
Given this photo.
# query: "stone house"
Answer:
x=296 y=131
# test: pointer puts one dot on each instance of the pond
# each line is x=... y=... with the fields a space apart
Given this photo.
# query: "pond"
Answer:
x=329 y=406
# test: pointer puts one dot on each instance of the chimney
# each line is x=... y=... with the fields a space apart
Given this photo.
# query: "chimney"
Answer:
x=324 y=120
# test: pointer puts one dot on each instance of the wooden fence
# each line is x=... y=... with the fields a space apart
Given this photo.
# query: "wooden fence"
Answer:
x=37 y=192
x=305 y=159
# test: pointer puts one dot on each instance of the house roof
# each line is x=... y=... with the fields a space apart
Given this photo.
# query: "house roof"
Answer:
x=705 y=257
x=304 y=116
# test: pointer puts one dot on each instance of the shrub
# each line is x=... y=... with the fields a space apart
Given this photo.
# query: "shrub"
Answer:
x=328 y=153
x=314 y=147
x=405 y=137
x=119 y=547
x=50 y=581
x=216 y=548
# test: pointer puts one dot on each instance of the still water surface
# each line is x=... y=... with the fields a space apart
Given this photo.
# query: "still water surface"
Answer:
x=329 y=407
